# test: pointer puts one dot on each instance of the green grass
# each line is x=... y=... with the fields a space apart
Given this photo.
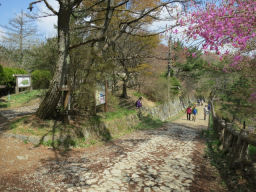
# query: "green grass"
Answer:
x=20 y=99
x=118 y=113
x=137 y=94
x=149 y=123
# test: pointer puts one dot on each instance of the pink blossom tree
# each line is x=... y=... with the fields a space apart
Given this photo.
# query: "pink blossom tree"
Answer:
x=231 y=22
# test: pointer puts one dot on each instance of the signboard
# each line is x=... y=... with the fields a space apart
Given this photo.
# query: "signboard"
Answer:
x=23 y=81
x=100 y=96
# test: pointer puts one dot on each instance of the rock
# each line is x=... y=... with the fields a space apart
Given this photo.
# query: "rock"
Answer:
x=22 y=157
x=91 y=181
x=149 y=183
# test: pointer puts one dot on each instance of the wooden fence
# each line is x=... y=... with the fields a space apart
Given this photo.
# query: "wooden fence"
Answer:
x=235 y=143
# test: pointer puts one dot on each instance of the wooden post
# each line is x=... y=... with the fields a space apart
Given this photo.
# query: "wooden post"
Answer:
x=106 y=93
x=17 y=86
x=66 y=98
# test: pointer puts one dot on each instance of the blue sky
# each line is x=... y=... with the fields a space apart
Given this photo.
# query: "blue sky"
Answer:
x=9 y=8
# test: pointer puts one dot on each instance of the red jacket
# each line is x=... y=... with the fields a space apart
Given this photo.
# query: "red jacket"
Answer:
x=189 y=110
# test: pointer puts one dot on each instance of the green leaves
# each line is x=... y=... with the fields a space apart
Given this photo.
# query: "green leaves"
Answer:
x=7 y=77
x=41 y=79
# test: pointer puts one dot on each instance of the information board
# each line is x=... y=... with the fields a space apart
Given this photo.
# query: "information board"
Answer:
x=24 y=81
x=100 y=95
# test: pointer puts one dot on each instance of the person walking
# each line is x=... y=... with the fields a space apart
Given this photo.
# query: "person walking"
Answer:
x=209 y=107
x=138 y=106
x=206 y=111
x=194 y=112
x=202 y=102
x=188 y=111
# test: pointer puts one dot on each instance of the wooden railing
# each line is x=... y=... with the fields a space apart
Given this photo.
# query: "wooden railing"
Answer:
x=235 y=142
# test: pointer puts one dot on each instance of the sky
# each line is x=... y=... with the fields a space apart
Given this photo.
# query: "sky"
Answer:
x=10 y=8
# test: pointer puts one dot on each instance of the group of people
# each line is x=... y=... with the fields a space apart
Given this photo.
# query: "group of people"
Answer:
x=193 y=111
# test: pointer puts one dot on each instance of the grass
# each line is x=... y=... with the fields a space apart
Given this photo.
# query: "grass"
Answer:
x=137 y=94
x=20 y=99
x=118 y=113
x=31 y=126
x=149 y=123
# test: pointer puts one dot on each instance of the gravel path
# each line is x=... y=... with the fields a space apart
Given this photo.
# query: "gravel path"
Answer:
x=154 y=160
x=12 y=113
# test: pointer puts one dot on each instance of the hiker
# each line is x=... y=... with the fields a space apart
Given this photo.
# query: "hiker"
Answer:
x=194 y=112
x=188 y=111
x=198 y=102
x=209 y=107
x=202 y=102
x=138 y=106
x=206 y=111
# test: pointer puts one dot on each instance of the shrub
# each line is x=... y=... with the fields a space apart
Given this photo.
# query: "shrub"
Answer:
x=41 y=79
x=7 y=78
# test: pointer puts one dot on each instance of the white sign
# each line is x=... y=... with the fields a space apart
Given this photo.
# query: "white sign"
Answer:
x=24 y=81
x=100 y=95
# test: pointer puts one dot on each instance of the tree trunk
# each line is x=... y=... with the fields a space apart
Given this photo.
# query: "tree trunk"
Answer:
x=124 y=94
x=48 y=105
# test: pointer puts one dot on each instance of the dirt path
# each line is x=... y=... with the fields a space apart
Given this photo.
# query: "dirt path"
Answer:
x=167 y=159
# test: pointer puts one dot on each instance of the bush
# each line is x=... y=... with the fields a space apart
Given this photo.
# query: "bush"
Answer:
x=41 y=79
x=1 y=74
x=7 y=77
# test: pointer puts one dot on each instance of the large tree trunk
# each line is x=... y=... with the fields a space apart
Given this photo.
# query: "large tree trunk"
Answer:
x=48 y=105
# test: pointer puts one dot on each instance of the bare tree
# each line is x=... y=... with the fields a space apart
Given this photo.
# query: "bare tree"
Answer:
x=19 y=33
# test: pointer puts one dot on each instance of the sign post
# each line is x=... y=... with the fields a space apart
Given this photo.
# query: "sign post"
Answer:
x=106 y=94
x=22 y=81
x=100 y=95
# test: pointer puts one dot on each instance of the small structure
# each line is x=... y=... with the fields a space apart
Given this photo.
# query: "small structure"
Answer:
x=22 y=81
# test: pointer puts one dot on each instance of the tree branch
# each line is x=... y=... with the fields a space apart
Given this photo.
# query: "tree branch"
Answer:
x=50 y=7
x=30 y=7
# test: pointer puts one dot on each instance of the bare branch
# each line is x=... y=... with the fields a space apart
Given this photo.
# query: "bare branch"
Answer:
x=50 y=7
x=146 y=35
x=144 y=14
x=32 y=3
